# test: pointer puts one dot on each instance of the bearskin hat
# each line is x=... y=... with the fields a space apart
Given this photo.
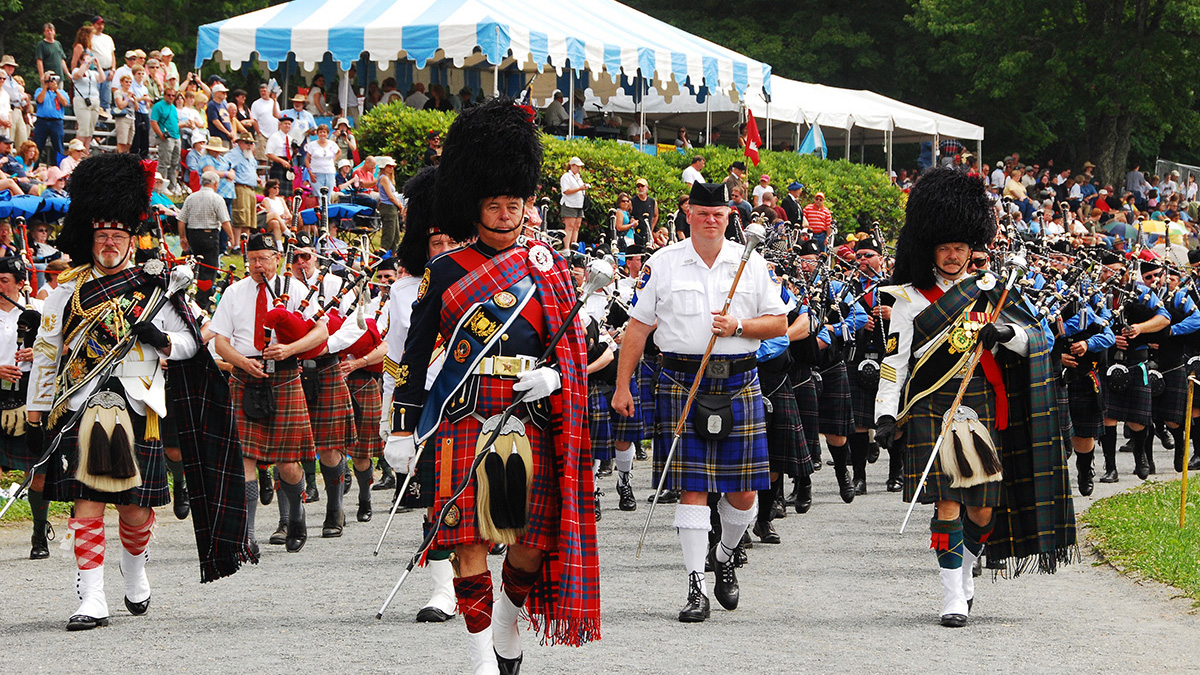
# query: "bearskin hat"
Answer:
x=109 y=190
x=419 y=221
x=944 y=206
x=491 y=150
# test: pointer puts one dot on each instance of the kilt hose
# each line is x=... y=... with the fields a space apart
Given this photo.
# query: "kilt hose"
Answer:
x=1169 y=406
x=61 y=485
x=1132 y=404
x=837 y=414
x=738 y=463
x=330 y=413
x=452 y=447
x=600 y=424
x=808 y=406
x=366 y=395
x=287 y=436
x=630 y=429
x=1085 y=400
x=921 y=430
x=862 y=400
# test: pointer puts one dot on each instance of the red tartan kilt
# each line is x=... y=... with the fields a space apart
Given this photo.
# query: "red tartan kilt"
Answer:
x=368 y=393
x=545 y=500
x=285 y=438
x=332 y=417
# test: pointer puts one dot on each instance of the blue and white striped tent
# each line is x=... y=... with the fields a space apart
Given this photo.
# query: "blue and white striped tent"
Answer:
x=593 y=35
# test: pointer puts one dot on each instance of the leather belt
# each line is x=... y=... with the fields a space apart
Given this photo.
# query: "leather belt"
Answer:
x=319 y=362
x=284 y=364
x=716 y=369
x=505 y=366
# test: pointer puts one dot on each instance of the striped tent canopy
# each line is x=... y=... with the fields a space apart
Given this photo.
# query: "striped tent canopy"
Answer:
x=599 y=36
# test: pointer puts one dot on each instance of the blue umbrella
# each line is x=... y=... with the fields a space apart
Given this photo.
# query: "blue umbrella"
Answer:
x=53 y=207
x=336 y=211
x=22 y=206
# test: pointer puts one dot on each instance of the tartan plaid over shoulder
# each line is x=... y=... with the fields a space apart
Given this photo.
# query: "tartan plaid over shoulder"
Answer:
x=1035 y=523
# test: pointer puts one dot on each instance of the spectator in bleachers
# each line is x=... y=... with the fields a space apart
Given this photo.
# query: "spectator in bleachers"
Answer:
x=245 y=170
x=49 y=53
x=373 y=96
x=275 y=207
x=303 y=123
x=279 y=156
x=86 y=76
x=320 y=159
x=17 y=110
x=682 y=140
x=266 y=114
x=196 y=157
x=155 y=70
x=191 y=118
x=169 y=68
x=239 y=112
x=152 y=80
x=5 y=104
x=555 y=116
x=390 y=93
x=345 y=139
x=106 y=52
x=217 y=114
x=438 y=100
x=417 y=99
x=215 y=160
x=389 y=204
x=463 y=101
x=315 y=102
x=75 y=154
x=344 y=178
x=141 y=113
x=124 y=105
x=56 y=183
x=164 y=121
x=131 y=60
x=27 y=155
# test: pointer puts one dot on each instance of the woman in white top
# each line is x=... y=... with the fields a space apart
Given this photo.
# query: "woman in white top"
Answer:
x=321 y=158
x=86 y=75
x=276 y=208
x=1190 y=191
x=316 y=97
x=573 y=191
x=124 y=105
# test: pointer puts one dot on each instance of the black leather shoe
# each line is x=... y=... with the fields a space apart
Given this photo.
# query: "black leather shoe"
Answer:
x=726 y=588
x=334 y=524
x=778 y=510
x=766 y=532
x=627 y=501
x=665 y=497
x=845 y=485
x=1164 y=437
x=364 y=512
x=895 y=484
x=1110 y=477
x=137 y=608
x=596 y=496
x=606 y=468
x=254 y=547
x=954 y=620
x=817 y=464
x=873 y=453
x=179 y=500
x=297 y=534
x=640 y=453
x=1194 y=465
x=1141 y=468
x=433 y=615
x=1086 y=484
x=279 y=536
x=39 y=549
x=697 y=607
x=739 y=556
x=790 y=498
x=266 y=487
x=860 y=486
x=388 y=482
x=81 y=622
x=312 y=494
x=804 y=497
x=509 y=666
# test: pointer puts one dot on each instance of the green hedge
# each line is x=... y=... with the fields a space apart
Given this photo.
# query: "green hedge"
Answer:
x=851 y=190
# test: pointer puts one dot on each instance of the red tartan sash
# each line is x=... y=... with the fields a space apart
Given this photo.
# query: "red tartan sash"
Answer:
x=991 y=369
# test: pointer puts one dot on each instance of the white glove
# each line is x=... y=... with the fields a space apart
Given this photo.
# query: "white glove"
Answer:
x=538 y=383
x=399 y=451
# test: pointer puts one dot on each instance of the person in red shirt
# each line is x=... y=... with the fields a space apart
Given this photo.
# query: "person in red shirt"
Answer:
x=819 y=219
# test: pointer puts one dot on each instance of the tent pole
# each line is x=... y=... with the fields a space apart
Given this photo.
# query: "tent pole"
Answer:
x=936 y=141
x=979 y=154
x=571 y=112
x=496 y=68
x=642 y=106
x=849 y=130
x=708 y=118
x=889 y=153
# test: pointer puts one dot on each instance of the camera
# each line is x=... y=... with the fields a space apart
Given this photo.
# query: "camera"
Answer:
x=53 y=78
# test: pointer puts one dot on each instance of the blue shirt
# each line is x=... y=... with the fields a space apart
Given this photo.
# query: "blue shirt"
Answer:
x=221 y=164
x=140 y=90
x=167 y=117
x=245 y=168
x=53 y=106
x=195 y=160
x=1190 y=324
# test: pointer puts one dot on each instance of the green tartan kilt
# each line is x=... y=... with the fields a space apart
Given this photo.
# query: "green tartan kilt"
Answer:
x=921 y=430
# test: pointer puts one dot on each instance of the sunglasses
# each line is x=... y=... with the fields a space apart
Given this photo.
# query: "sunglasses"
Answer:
x=303 y=256
x=978 y=262
x=866 y=256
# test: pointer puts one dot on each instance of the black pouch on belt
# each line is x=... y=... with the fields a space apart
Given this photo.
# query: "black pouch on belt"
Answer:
x=713 y=416
x=258 y=399
x=310 y=380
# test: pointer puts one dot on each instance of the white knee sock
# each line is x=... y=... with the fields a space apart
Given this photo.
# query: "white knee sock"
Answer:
x=624 y=462
x=733 y=525
x=693 y=524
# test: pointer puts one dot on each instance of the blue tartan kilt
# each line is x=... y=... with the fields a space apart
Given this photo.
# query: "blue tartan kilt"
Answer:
x=1087 y=415
x=738 y=463
x=61 y=485
x=1131 y=405
x=1169 y=406
x=629 y=429
x=647 y=376
x=837 y=414
x=809 y=409
x=600 y=425
x=921 y=430
x=862 y=400
x=787 y=448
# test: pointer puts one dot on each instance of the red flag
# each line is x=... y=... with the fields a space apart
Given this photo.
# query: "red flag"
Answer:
x=753 y=140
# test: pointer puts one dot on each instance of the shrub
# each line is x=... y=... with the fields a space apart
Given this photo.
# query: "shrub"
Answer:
x=400 y=131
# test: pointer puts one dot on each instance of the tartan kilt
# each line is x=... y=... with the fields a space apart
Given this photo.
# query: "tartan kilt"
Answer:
x=787 y=449
x=61 y=485
x=647 y=376
x=738 y=463
x=921 y=430
x=862 y=400
x=600 y=424
x=14 y=454
x=1064 y=408
x=367 y=392
x=283 y=439
x=450 y=469
x=332 y=418
x=1087 y=416
x=808 y=408
x=1169 y=406
x=629 y=429
x=836 y=416
x=169 y=431
x=1131 y=405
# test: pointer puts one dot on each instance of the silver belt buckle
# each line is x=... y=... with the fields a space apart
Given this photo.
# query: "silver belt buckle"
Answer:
x=308 y=364
x=718 y=370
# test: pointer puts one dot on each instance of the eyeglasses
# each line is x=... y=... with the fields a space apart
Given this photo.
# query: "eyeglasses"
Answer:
x=100 y=238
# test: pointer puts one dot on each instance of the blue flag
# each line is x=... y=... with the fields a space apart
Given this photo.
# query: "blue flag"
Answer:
x=814 y=142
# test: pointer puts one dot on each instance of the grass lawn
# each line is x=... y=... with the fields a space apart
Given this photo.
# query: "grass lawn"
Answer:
x=20 y=510
x=1138 y=530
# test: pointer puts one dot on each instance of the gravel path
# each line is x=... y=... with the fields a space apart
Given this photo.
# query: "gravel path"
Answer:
x=843 y=593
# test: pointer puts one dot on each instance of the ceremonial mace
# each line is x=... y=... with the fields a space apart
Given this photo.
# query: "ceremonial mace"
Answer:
x=1187 y=450
x=754 y=235
x=1018 y=265
x=600 y=274
x=180 y=279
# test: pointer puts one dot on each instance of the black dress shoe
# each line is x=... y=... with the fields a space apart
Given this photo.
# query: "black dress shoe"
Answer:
x=279 y=536
x=790 y=498
x=895 y=484
x=297 y=534
x=873 y=453
x=845 y=485
x=804 y=497
x=39 y=549
x=179 y=500
x=364 y=512
x=334 y=524
x=726 y=588
x=606 y=468
x=137 y=608
x=665 y=497
x=81 y=622
x=596 y=496
x=640 y=453
x=312 y=494
x=253 y=546
x=509 y=666
x=778 y=510
x=1194 y=464
x=627 y=501
x=697 y=608
x=739 y=556
x=266 y=487
x=1110 y=477
x=1164 y=437
x=817 y=464
x=954 y=620
x=433 y=615
x=766 y=532
x=388 y=482
x=860 y=486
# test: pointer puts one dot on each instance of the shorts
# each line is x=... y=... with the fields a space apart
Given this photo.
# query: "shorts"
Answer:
x=125 y=130
x=572 y=211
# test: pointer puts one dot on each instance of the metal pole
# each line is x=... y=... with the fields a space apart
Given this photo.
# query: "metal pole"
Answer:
x=707 y=117
x=642 y=104
x=890 y=133
x=849 y=130
x=571 y=103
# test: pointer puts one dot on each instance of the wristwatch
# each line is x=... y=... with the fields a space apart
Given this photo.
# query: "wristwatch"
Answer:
x=737 y=332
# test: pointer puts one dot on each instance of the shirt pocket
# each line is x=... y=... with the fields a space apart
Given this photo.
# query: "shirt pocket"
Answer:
x=745 y=299
x=687 y=298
